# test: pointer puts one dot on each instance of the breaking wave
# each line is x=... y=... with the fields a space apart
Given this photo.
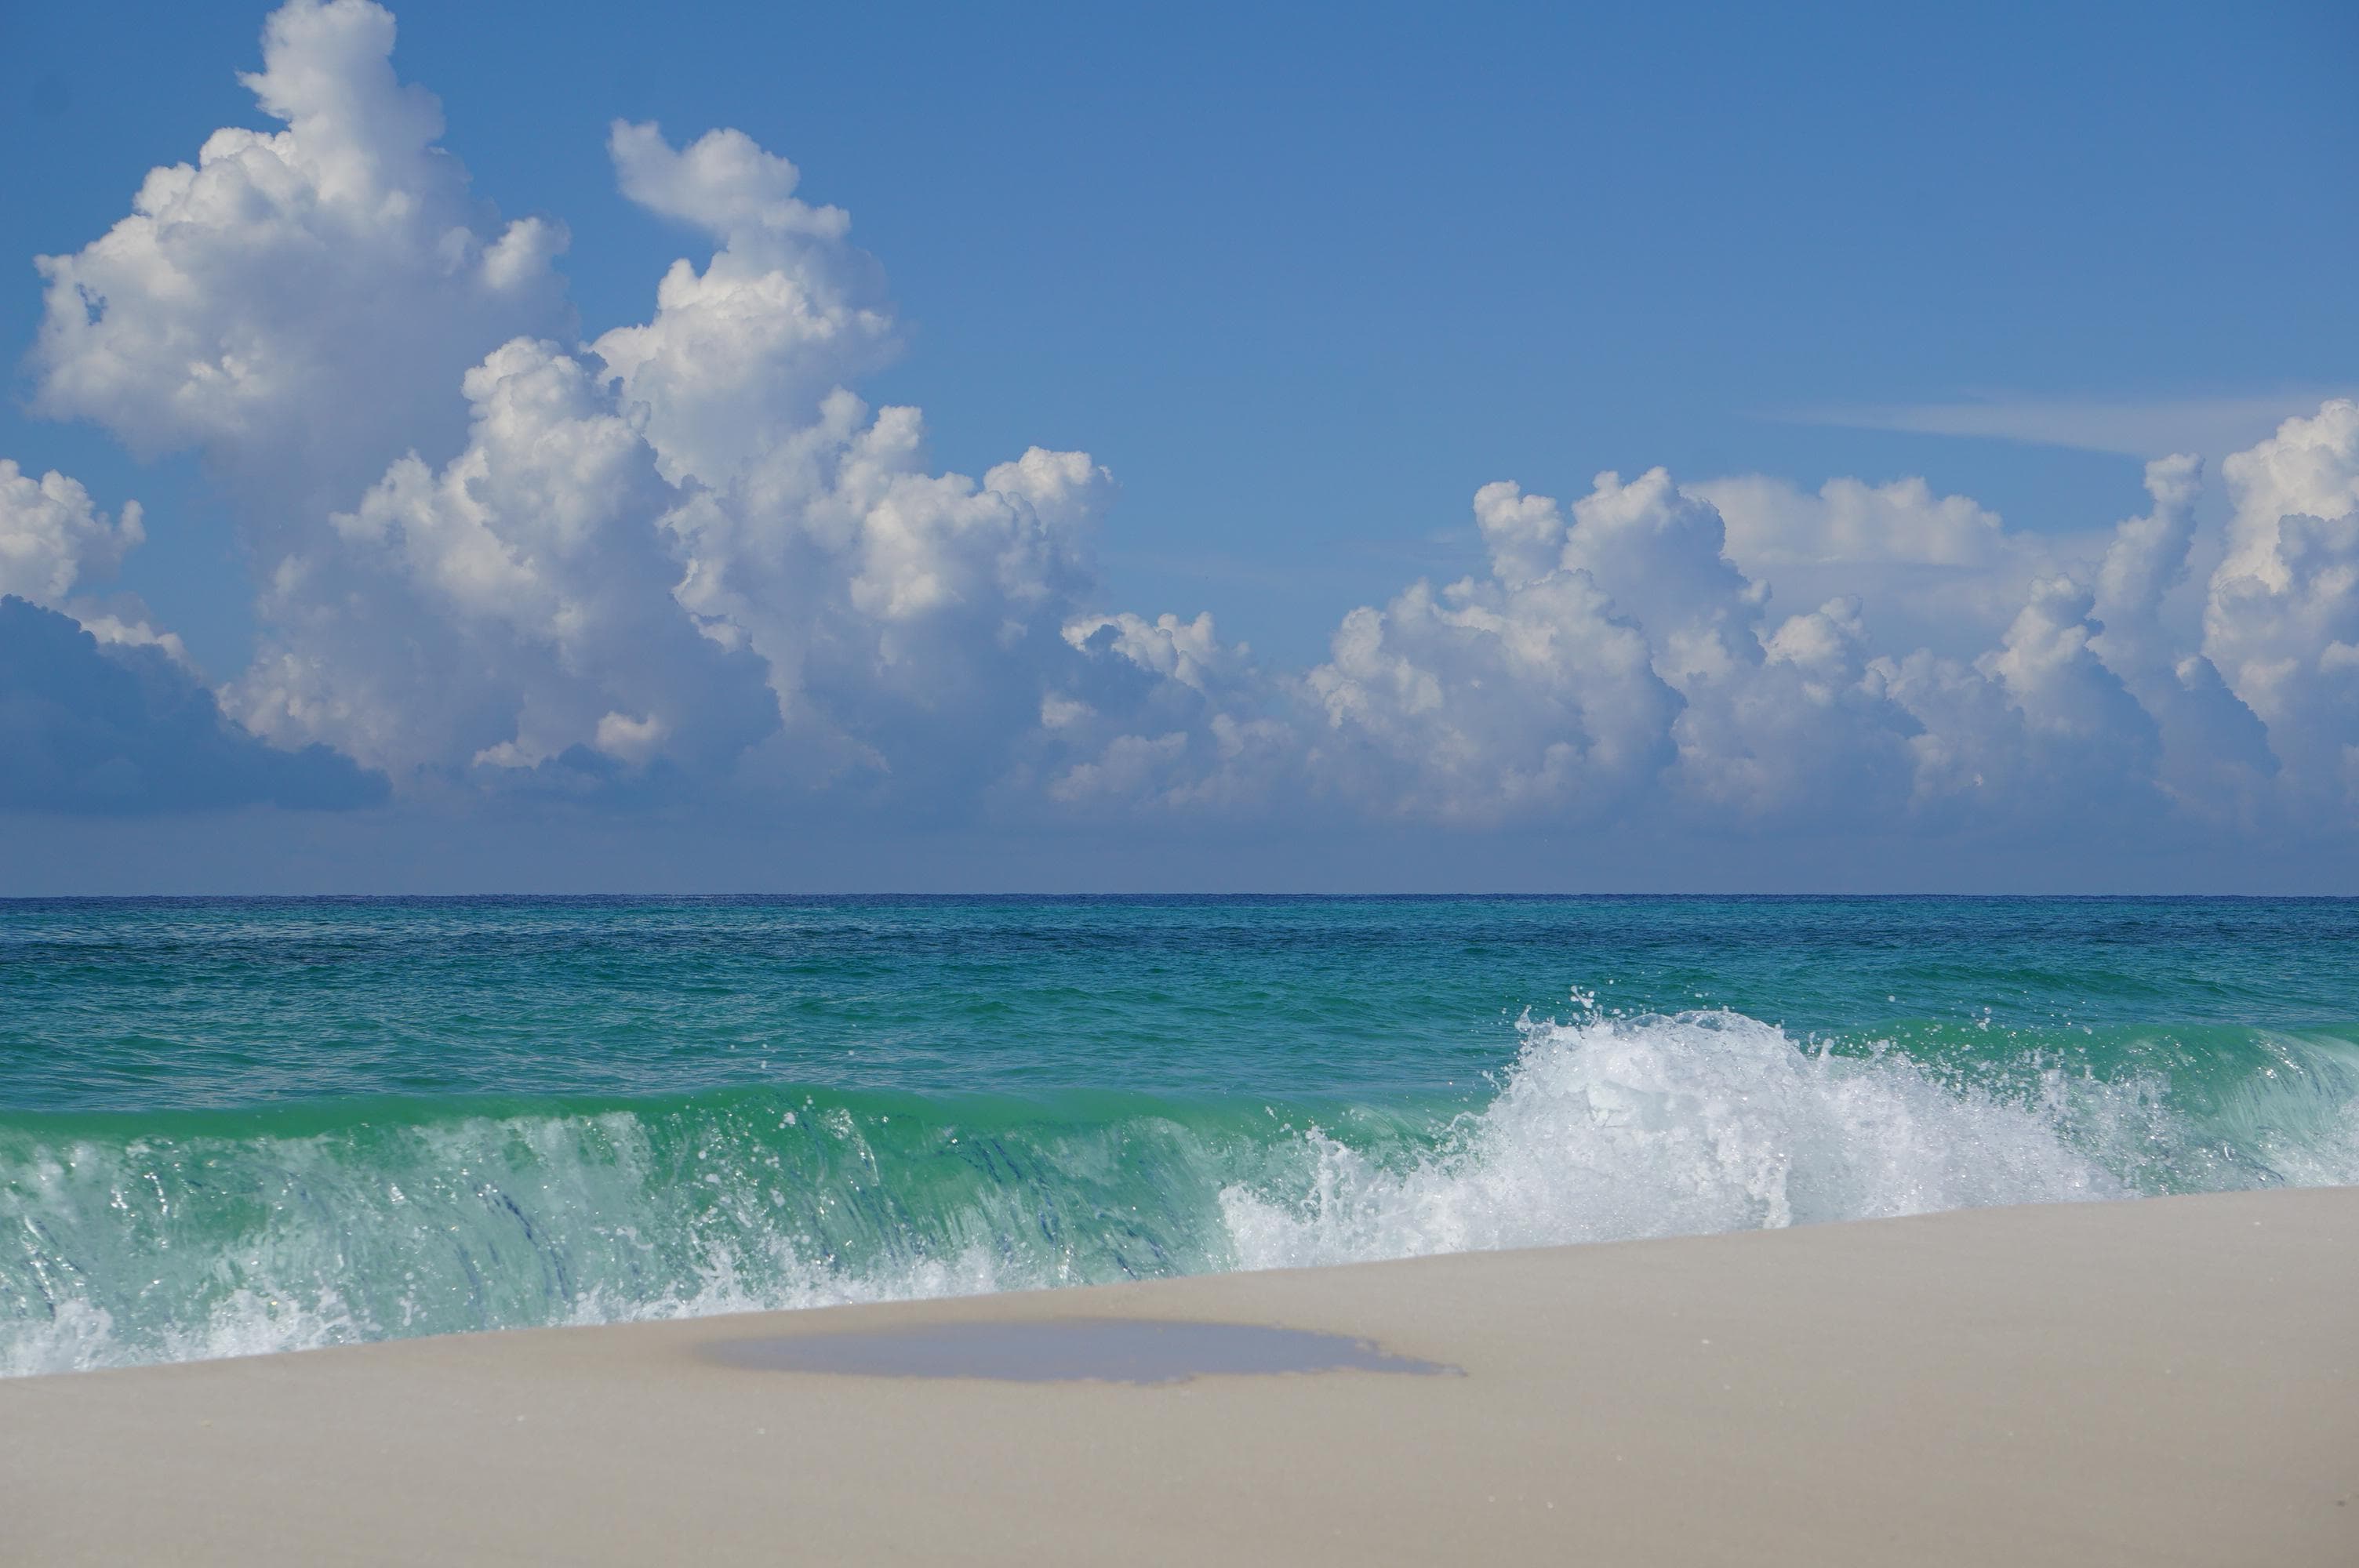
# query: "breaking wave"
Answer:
x=181 y=1236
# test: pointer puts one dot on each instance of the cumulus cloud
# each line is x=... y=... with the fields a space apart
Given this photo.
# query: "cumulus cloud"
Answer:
x=297 y=304
x=2281 y=623
x=56 y=545
x=1624 y=660
x=2215 y=757
x=511 y=608
x=1188 y=651
x=496 y=554
x=1163 y=715
x=2035 y=728
x=744 y=352
x=909 y=621
x=1939 y=571
x=1614 y=662
x=120 y=730
x=1485 y=699
x=667 y=544
x=52 y=537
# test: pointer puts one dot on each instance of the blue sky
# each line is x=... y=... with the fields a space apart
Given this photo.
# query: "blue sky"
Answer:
x=1301 y=283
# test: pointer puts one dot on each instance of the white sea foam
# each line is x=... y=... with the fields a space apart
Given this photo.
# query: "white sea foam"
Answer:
x=1611 y=1128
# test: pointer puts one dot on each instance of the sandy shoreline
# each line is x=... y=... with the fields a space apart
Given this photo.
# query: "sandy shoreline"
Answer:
x=2162 y=1381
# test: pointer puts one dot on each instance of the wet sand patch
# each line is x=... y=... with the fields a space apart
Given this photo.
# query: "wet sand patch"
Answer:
x=1073 y=1349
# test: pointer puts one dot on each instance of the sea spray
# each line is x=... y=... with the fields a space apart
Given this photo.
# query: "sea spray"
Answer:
x=1615 y=1129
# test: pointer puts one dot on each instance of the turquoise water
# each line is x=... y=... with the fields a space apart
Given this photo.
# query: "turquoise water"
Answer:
x=231 y=1126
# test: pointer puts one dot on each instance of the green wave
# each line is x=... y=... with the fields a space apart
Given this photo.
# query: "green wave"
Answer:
x=173 y=1234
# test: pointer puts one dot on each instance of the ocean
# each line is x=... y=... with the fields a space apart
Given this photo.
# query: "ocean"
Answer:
x=236 y=1126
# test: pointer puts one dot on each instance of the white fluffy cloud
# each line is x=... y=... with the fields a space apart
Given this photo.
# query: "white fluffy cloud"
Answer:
x=1621 y=661
x=507 y=609
x=1162 y=714
x=644 y=532
x=688 y=549
x=2035 y=728
x=1936 y=571
x=1618 y=662
x=2215 y=757
x=744 y=352
x=1484 y=698
x=56 y=545
x=52 y=537
x=297 y=304
x=2281 y=623
x=909 y=621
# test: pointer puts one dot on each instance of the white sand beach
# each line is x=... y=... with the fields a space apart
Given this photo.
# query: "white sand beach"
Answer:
x=2170 y=1380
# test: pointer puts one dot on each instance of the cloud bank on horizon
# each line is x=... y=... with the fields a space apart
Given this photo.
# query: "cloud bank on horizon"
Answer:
x=684 y=559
